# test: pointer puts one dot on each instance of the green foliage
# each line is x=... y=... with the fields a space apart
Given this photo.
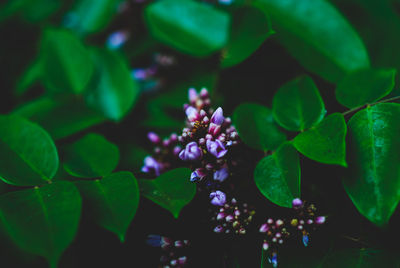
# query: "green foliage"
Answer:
x=311 y=30
x=365 y=86
x=277 y=176
x=297 y=105
x=188 y=26
x=42 y=220
x=28 y=154
x=112 y=89
x=171 y=190
x=67 y=66
x=373 y=177
x=112 y=200
x=28 y=9
x=256 y=126
x=90 y=157
x=250 y=28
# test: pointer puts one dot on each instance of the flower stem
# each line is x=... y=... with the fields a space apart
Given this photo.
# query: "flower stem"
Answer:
x=369 y=104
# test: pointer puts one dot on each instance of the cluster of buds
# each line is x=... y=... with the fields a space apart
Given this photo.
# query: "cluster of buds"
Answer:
x=165 y=154
x=231 y=217
x=207 y=139
x=277 y=231
x=173 y=250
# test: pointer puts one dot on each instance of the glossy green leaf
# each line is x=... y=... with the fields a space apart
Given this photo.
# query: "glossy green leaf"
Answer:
x=325 y=142
x=66 y=62
x=112 y=89
x=90 y=157
x=256 y=126
x=249 y=30
x=112 y=200
x=298 y=105
x=43 y=220
x=277 y=176
x=373 y=177
x=61 y=117
x=191 y=27
x=365 y=86
x=172 y=190
x=310 y=30
x=27 y=152
x=91 y=16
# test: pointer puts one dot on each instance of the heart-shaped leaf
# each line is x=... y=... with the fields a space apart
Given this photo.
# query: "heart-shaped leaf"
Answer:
x=28 y=154
x=43 y=220
x=112 y=200
x=298 y=105
x=373 y=177
x=189 y=26
x=256 y=126
x=172 y=190
x=310 y=30
x=90 y=157
x=277 y=176
x=365 y=86
x=325 y=142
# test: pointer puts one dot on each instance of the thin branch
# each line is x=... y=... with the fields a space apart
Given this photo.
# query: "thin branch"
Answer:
x=371 y=104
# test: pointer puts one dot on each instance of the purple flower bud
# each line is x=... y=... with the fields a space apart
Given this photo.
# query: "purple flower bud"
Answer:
x=117 y=39
x=178 y=244
x=264 y=228
x=173 y=137
x=182 y=260
x=177 y=150
x=229 y=218
x=220 y=216
x=320 y=220
x=192 y=114
x=208 y=137
x=214 y=129
x=204 y=93
x=192 y=95
x=192 y=152
x=173 y=262
x=221 y=175
x=150 y=164
x=265 y=246
x=198 y=174
x=297 y=203
x=218 y=198
x=306 y=240
x=202 y=141
x=216 y=148
x=206 y=120
x=218 y=229
x=218 y=117
x=202 y=113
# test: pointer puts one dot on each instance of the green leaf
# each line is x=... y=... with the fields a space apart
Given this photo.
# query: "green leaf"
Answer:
x=31 y=75
x=113 y=201
x=91 y=16
x=66 y=62
x=28 y=154
x=298 y=105
x=191 y=27
x=256 y=126
x=43 y=220
x=112 y=89
x=30 y=10
x=277 y=176
x=249 y=30
x=90 y=157
x=365 y=86
x=324 y=143
x=61 y=117
x=311 y=30
x=373 y=177
x=171 y=190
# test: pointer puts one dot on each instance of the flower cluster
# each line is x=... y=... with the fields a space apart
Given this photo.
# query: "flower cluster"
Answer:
x=173 y=251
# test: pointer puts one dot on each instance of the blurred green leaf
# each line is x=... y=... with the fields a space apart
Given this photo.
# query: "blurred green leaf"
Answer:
x=373 y=177
x=28 y=154
x=31 y=75
x=113 y=201
x=61 y=117
x=112 y=89
x=365 y=86
x=325 y=142
x=256 y=126
x=249 y=30
x=67 y=66
x=191 y=27
x=90 y=157
x=91 y=16
x=317 y=35
x=298 y=105
x=277 y=176
x=172 y=190
x=31 y=10
x=43 y=220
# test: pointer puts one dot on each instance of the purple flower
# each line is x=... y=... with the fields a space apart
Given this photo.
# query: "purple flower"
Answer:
x=216 y=148
x=151 y=164
x=153 y=137
x=221 y=175
x=117 y=39
x=192 y=152
x=218 y=198
x=264 y=228
x=297 y=203
x=320 y=220
x=192 y=114
x=218 y=117
x=198 y=174
x=192 y=95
